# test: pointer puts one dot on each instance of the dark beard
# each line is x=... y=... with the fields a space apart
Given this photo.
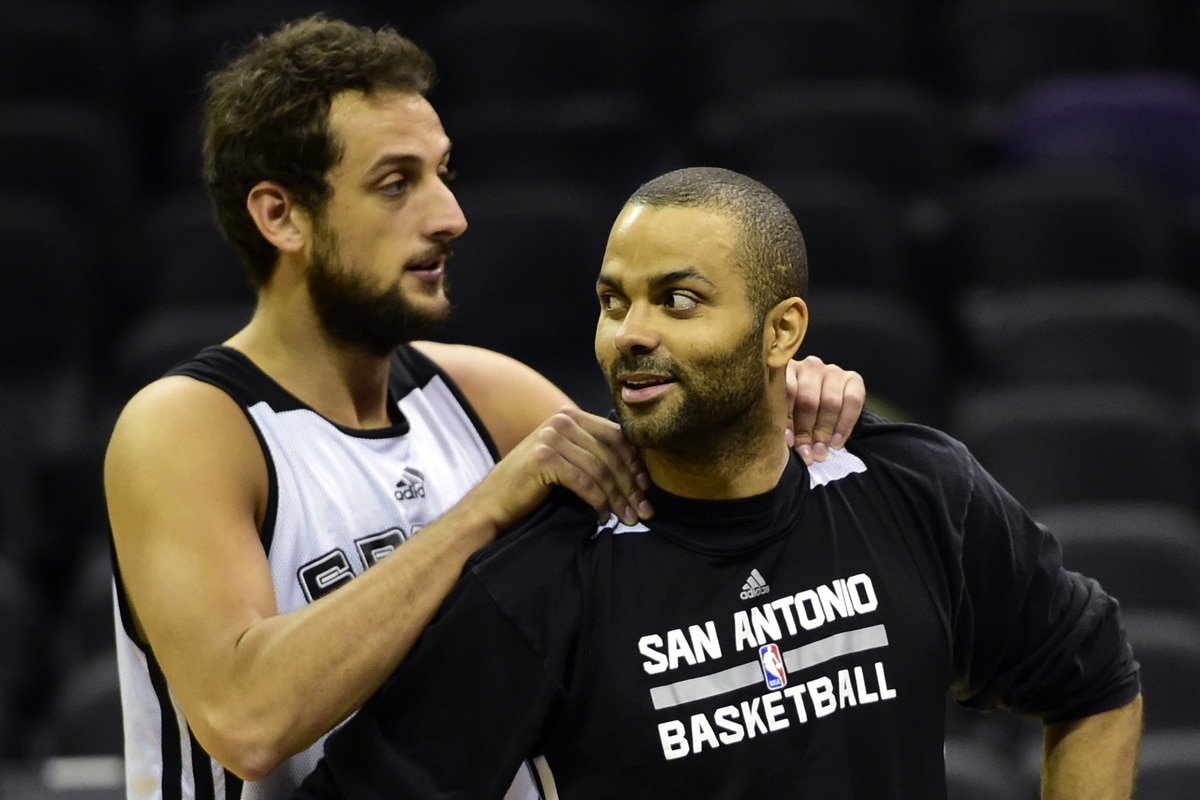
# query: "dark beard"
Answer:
x=717 y=409
x=359 y=315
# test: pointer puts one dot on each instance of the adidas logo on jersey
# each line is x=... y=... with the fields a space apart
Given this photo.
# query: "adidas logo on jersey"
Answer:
x=411 y=486
x=755 y=586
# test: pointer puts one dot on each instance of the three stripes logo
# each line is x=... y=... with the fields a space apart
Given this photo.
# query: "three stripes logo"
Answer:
x=755 y=586
x=411 y=486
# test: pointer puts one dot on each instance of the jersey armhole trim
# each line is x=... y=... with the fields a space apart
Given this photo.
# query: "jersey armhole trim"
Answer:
x=414 y=357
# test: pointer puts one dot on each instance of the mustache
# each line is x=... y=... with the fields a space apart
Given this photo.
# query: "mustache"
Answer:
x=437 y=250
x=627 y=363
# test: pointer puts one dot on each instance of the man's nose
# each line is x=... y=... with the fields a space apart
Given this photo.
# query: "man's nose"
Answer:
x=447 y=220
x=636 y=333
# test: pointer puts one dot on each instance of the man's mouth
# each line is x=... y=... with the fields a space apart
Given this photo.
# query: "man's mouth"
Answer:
x=428 y=268
x=431 y=264
x=642 y=387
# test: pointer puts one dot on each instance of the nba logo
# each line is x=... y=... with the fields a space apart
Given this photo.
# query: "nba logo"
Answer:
x=772 y=666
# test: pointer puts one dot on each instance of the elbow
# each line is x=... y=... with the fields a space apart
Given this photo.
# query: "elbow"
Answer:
x=250 y=750
x=253 y=766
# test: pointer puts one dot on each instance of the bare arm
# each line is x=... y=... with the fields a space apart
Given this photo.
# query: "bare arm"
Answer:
x=1094 y=757
x=186 y=487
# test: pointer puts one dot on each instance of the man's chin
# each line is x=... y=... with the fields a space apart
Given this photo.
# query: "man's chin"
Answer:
x=643 y=426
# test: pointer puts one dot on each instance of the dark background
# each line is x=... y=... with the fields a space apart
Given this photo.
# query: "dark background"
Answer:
x=1001 y=200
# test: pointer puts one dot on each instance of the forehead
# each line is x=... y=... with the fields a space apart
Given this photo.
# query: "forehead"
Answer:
x=385 y=123
x=646 y=241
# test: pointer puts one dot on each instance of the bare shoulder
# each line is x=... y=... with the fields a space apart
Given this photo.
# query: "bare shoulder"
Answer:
x=511 y=398
x=174 y=408
x=174 y=439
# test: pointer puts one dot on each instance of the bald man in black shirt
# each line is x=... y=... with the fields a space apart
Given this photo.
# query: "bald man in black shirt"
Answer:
x=776 y=628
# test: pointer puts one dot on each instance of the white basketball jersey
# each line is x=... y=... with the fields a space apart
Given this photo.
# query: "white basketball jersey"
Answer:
x=340 y=500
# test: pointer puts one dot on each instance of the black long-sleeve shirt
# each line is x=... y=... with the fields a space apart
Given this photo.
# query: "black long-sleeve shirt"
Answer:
x=799 y=643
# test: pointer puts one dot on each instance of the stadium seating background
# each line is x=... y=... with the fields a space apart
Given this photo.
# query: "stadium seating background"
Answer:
x=1001 y=200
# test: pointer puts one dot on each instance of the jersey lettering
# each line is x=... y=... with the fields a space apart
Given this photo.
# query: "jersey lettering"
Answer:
x=693 y=646
x=321 y=576
x=371 y=549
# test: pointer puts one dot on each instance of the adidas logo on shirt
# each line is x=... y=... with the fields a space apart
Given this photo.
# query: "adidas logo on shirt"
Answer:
x=411 y=486
x=755 y=586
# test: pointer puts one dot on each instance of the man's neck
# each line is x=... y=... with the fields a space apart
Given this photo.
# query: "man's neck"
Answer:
x=343 y=384
x=726 y=471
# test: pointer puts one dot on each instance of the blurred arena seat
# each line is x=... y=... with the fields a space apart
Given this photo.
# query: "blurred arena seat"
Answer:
x=977 y=772
x=1149 y=122
x=74 y=153
x=731 y=46
x=852 y=231
x=1139 y=332
x=895 y=135
x=1167 y=646
x=1169 y=765
x=534 y=48
x=24 y=657
x=523 y=281
x=48 y=317
x=180 y=257
x=1055 y=223
x=160 y=339
x=1147 y=555
x=612 y=141
x=64 y=50
x=888 y=339
x=1054 y=445
x=84 y=711
x=995 y=49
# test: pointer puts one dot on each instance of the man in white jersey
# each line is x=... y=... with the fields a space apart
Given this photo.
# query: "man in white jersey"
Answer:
x=250 y=490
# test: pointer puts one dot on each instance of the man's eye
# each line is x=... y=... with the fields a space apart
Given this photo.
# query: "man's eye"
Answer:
x=393 y=186
x=680 y=301
x=609 y=302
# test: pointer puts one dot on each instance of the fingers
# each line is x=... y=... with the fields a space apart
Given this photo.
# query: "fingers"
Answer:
x=804 y=379
x=854 y=398
x=600 y=465
x=828 y=402
x=791 y=381
x=585 y=454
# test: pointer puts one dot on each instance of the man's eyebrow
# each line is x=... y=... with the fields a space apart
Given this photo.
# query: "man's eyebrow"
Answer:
x=665 y=279
x=680 y=276
x=393 y=160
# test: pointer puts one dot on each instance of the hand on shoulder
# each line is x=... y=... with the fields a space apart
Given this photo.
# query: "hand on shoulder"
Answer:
x=544 y=439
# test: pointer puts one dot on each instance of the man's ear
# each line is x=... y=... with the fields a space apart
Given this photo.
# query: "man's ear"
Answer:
x=280 y=220
x=786 y=325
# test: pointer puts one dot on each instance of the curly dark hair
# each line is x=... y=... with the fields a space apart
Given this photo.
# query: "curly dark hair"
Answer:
x=266 y=117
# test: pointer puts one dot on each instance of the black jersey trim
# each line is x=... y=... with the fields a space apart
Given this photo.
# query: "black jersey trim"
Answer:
x=237 y=376
x=420 y=369
x=123 y=607
x=233 y=786
x=233 y=372
x=535 y=776
x=202 y=770
x=172 y=756
x=267 y=534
